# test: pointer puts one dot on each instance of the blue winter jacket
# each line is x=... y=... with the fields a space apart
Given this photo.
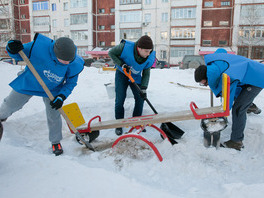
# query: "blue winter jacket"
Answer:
x=241 y=71
x=128 y=57
x=59 y=78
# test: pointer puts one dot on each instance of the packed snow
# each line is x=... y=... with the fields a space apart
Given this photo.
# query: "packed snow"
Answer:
x=131 y=169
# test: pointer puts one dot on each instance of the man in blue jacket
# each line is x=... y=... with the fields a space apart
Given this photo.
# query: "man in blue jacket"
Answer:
x=58 y=65
x=246 y=82
x=139 y=57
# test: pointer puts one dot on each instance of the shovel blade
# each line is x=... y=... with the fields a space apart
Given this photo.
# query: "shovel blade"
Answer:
x=171 y=129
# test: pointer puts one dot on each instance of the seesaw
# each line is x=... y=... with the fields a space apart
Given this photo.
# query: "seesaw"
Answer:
x=92 y=128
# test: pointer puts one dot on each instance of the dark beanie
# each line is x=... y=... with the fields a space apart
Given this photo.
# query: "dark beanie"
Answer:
x=200 y=73
x=64 y=49
x=145 y=42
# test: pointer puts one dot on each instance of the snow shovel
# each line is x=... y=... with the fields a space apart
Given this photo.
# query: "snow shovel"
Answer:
x=51 y=97
x=171 y=130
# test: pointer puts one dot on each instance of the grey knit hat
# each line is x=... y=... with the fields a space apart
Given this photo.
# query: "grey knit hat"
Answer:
x=64 y=49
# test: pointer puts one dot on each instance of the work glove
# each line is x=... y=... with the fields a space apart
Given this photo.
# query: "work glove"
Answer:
x=57 y=102
x=143 y=93
x=125 y=66
x=14 y=46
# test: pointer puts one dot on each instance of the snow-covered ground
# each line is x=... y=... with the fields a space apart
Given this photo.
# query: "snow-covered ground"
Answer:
x=189 y=170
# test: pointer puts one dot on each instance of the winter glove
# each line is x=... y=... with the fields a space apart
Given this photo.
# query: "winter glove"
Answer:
x=14 y=46
x=143 y=93
x=57 y=102
x=125 y=66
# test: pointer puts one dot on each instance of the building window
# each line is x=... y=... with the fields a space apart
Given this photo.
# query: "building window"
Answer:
x=165 y=1
x=147 y=2
x=55 y=37
x=66 y=22
x=65 y=6
x=182 y=33
x=102 y=43
x=248 y=32
x=23 y=30
x=222 y=43
x=41 y=21
x=208 y=4
x=3 y=24
x=163 y=54
x=113 y=43
x=112 y=10
x=54 y=7
x=181 y=51
x=23 y=16
x=130 y=17
x=164 y=35
x=206 y=42
x=124 y=2
x=130 y=34
x=81 y=51
x=147 y=18
x=101 y=27
x=79 y=35
x=225 y=3
x=112 y=27
x=54 y=23
x=79 y=19
x=22 y=2
x=78 y=3
x=183 y=13
x=101 y=11
x=223 y=23
x=208 y=23
x=164 y=17
x=40 y=5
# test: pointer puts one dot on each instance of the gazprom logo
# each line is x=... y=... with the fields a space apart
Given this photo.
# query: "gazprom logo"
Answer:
x=52 y=77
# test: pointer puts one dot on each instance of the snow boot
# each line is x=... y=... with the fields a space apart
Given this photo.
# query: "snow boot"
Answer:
x=119 y=131
x=254 y=109
x=57 y=149
x=1 y=130
x=234 y=145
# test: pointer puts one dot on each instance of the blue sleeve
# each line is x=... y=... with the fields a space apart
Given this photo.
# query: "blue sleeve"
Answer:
x=69 y=85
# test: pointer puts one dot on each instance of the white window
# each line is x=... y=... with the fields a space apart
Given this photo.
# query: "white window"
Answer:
x=164 y=17
x=208 y=4
x=223 y=23
x=225 y=3
x=164 y=35
x=54 y=7
x=124 y=2
x=65 y=6
x=165 y=1
x=133 y=16
x=40 y=5
x=130 y=34
x=183 y=13
x=102 y=43
x=101 y=11
x=113 y=43
x=182 y=33
x=78 y=3
x=221 y=43
x=23 y=16
x=79 y=35
x=206 y=42
x=147 y=17
x=163 y=54
x=181 y=51
x=54 y=23
x=147 y=2
x=101 y=27
x=112 y=10
x=41 y=21
x=208 y=23
x=22 y=1
x=79 y=19
x=66 y=22
x=81 y=51
x=112 y=27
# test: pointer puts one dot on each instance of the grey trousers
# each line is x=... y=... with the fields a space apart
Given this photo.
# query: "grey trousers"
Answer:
x=239 y=111
x=15 y=101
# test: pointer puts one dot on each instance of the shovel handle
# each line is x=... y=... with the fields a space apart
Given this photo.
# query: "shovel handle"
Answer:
x=51 y=97
x=128 y=74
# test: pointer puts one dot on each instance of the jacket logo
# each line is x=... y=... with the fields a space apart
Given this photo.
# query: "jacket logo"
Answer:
x=134 y=71
x=52 y=77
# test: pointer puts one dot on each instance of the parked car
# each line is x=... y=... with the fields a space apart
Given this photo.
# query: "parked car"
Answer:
x=88 y=62
x=191 y=61
x=99 y=63
x=161 y=65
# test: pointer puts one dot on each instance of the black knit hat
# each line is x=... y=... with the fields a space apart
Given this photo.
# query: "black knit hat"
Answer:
x=200 y=73
x=64 y=49
x=145 y=42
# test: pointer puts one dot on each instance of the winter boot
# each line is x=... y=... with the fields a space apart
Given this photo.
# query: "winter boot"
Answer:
x=254 y=109
x=119 y=131
x=1 y=130
x=57 y=149
x=234 y=145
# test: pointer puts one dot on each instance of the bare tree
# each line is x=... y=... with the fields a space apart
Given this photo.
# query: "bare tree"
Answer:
x=251 y=34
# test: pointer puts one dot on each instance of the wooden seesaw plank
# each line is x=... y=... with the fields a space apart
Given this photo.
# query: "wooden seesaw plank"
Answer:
x=150 y=119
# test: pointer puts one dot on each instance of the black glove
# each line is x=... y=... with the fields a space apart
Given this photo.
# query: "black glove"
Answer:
x=125 y=66
x=14 y=46
x=143 y=93
x=57 y=102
